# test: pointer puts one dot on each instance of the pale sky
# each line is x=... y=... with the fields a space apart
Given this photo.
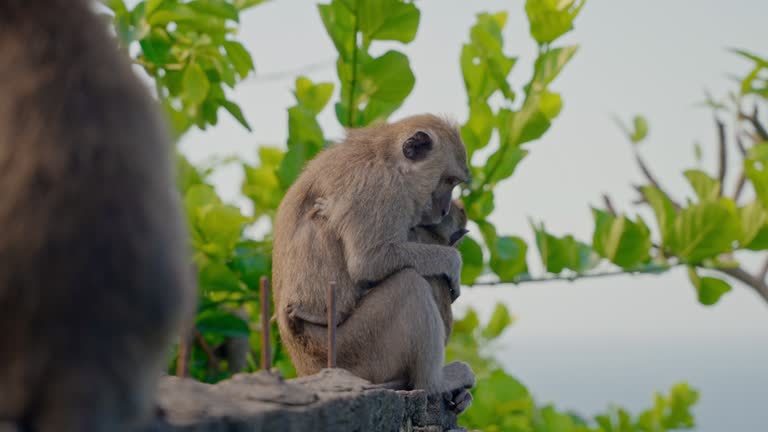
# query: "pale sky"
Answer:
x=653 y=57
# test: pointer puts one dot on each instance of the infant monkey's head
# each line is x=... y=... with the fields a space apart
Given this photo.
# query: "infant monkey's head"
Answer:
x=453 y=226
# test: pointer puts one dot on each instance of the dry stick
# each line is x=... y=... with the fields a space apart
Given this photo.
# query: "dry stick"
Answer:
x=723 y=154
x=213 y=361
x=609 y=205
x=651 y=179
x=266 y=349
x=182 y=361
x=332 y=324
x=763 y=271
x=755 y=121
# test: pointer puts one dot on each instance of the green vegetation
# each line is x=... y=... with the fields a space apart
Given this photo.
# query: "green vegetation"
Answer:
x=190 y=51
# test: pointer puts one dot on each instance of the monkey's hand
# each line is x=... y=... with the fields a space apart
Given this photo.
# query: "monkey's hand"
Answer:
x=454 y=276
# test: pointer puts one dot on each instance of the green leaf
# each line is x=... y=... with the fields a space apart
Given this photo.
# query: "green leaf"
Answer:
x=339 y=22
x=640 y=129
x=558 y=254
x=314 y=97
x=270 y=156
x=262 y=187
x=500 y=320
x=219 y=8
x=753 y=218
x=252 y=260
x=467 y=324
x=663 y=209
x=706 y=188
x=550 y=104
x=472 y=260
x=549 y=65
x=502 y=163
x=476 y=132
x=222 y=225
x=623 y=242
x=292 y=164
x=706 y=230
x=759 y=152
x=479 y=205
x=709 y=289
x=388 y=20
x=483 y=64
x=757 y=172
x=508 y=257
x=214 y=321
x=240 y=58
x=760 y=242
x=236 y=112
x=196 y=84
x=550 y=19
x=150 y=6
x=386 y=81
x=215 y=276
x=200 y=196
x=157 y=47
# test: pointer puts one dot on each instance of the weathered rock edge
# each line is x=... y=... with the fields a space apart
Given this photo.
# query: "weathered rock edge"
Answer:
x=333 y=400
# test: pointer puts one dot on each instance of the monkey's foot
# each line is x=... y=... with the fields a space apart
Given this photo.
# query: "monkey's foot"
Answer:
x=458 y=400
x=459 y=378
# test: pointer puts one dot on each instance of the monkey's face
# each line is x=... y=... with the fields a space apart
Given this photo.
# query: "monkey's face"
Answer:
x=439 y=159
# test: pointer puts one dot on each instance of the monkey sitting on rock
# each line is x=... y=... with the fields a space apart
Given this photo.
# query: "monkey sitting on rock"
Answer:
x=381 y=181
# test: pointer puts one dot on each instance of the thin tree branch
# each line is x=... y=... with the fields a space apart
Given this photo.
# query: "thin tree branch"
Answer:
x=213 y=361
x=755 y=121
x=763 y=271
x=353 y=83
x=609 y=205
x=575 y=277
x=292 y=73
x=722 y=154
x=742 y=275
x=652 y=179
x=739 y=187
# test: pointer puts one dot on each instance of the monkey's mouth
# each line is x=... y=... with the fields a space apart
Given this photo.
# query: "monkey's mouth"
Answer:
x=458 y=235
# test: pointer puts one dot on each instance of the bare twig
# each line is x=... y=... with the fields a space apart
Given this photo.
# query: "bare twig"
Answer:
x=763 y=271
x=332 y=324
x=754 y=120
x=185 y=351
x=722 y=154
x=575 y=277
x=652 y=179
x=742 y=275
x=739 y=187
x=609 y=205
x=292 y=73
x=266 y=349
x=213 y=361
x=740 y=145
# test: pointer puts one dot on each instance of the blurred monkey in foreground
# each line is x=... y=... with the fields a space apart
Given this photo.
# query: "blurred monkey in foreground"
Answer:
x=94 y=273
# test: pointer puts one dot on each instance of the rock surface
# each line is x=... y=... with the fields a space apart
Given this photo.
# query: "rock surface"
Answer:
x=331 y=401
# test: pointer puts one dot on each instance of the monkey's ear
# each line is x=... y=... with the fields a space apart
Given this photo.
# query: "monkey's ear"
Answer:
x=417 y=146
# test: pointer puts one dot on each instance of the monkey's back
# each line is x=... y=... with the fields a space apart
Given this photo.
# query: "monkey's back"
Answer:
x=93 y=274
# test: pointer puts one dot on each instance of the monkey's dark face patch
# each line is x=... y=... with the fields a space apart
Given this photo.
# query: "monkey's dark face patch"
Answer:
x=417 y=146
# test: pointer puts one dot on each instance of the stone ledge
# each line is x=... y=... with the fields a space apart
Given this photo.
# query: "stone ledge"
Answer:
x=334 y=400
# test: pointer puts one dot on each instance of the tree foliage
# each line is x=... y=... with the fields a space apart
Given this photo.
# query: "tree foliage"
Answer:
x=189 y=50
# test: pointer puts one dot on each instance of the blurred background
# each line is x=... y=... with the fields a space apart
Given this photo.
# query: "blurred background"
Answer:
x=591 y=342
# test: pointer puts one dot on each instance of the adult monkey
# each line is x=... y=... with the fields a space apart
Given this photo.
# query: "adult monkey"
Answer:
x=381 y=181
x=94 y=272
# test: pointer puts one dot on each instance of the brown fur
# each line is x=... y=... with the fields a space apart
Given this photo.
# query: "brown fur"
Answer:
x=453 y=225
x=378 y=194
x=94 y=271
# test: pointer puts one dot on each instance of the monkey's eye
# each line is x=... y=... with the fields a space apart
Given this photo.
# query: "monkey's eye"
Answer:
x=452 y=181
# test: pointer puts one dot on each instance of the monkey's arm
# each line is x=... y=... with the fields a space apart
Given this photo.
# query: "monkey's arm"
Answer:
x=369 y=265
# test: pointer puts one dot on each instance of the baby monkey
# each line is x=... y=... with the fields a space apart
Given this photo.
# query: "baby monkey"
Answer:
x=449 y=232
